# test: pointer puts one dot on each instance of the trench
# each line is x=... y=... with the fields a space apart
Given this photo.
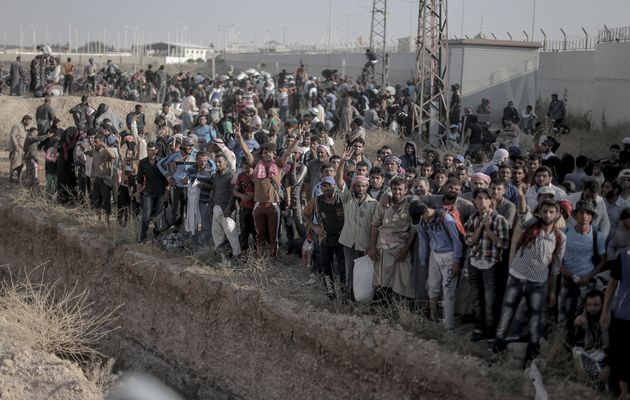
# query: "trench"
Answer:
x=212 y=339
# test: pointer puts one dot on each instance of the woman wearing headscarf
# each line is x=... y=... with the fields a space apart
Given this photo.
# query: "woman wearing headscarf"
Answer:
x=492 y=168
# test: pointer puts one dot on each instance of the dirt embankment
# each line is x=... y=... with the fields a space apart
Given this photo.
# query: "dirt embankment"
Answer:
x=12 y=109
x=35 y=375
x=213 y=339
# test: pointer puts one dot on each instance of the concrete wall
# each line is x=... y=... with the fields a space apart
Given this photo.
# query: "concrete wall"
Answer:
x=100 y=60
x=612 y=84
x=500 y=74
x=401 y=65
x=569 y=73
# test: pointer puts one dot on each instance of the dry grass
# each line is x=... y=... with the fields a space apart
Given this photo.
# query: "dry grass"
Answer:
x=100 y=372
x=77 y=212
x=52 y=318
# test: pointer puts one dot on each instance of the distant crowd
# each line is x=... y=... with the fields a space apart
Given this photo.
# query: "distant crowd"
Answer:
x=494 y=226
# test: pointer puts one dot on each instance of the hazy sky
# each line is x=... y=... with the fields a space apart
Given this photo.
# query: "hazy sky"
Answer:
x=302 y=21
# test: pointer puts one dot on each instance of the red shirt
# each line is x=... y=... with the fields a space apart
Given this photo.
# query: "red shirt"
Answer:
x=245 y=184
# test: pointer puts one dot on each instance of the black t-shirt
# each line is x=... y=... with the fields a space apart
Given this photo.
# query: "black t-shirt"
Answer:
x=150 y=175
x=149 y=75
x=475 y=134
x=331 y=217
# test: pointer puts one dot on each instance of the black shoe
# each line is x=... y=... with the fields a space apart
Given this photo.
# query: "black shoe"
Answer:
x=477 y=336
x=497 y=346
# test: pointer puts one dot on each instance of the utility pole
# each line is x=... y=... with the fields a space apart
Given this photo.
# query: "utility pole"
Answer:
x=430 y=113
x=378 y=33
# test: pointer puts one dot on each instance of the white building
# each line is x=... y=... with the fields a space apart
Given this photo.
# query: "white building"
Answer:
x=177 y=53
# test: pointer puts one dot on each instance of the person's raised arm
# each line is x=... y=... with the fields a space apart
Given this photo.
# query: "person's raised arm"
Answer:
x=522 y=202
x=249 y=157
x=347 y=154
x=287 y=153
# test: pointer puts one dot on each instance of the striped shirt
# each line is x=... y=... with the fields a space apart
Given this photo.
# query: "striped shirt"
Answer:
x=485 y=249
x=534 y=261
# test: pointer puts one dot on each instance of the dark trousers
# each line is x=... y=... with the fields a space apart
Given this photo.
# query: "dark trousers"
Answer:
x=483 y=282
x=332 y=259
x=126 y=205
x=535 y=296
x=179 y=206
x=67 y=84
x=293 y=217
x=267 y=221
x=151 y=205
x=83 y=185
x=102 y=196
x=248 y=228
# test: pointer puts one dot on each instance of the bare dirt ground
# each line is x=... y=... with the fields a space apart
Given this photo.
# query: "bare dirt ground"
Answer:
x=30 y=374
x=12 y=109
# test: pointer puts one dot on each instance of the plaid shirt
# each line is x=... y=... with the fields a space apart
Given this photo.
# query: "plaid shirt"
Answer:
x=485 y=249
x=534 y=262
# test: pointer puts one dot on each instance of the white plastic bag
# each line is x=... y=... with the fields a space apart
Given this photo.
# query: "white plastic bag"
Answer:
x=363 y=279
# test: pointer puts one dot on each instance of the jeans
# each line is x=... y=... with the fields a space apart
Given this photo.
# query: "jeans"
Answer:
x=151 y=205
x=483 y=282
x=161 y=93
x=67 y=84
x=570 y=301
x=294 y=220
x=187 y=121
x=349 y=255
x=179 y=205
x=283 y=113
x=443 y=281
x=203 y=236
x=327 y=253
x=51 y=183
x=535 y=295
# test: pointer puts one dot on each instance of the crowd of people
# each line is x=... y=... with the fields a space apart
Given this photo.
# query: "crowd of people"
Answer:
x=502 y=230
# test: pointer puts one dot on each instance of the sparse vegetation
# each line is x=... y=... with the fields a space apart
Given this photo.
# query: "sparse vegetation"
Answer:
x=54 y=319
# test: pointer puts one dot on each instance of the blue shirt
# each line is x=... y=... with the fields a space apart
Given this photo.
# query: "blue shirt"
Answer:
x=252 y=145
x=578 y=256
x=205 y=132
x=621 y=273
x=441 y=236
x=511 y=193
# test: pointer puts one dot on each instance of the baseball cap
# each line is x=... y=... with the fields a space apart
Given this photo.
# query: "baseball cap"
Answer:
x=626 y=140
x=110 y=140
x=566 y=206
x=188 y=141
